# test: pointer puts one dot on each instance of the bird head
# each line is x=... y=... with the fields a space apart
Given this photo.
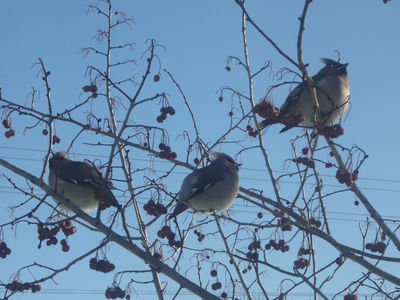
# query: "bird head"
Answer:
x=220 y=157
x=333 y=67
x=57 y=158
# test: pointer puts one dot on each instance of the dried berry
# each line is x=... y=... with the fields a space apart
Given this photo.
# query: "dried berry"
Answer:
x=339 y=261
x=6 y=123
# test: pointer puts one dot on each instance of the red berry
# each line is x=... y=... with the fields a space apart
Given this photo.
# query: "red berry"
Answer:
x=171 y=110
x=156 y=78
x=6 y=123
x=230 y=113
x=213 y=273
x=56 y=139
x=65 y=248
x=220 y=99
x=228 y=68
x=45 y=132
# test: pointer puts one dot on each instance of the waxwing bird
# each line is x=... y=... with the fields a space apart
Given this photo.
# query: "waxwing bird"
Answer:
x=212 y=188
x=79 y=181
x=333 y=94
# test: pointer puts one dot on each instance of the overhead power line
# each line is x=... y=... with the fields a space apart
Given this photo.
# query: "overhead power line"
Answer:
x=166 y=162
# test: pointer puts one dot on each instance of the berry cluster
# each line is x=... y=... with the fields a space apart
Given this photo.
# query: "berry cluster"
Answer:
x=45 y=233
x=154 y=209
x=376 y=247
x=350 y=297
x=344 y=176
x=302 y=251
x=7 y=125
x=266 y=109
x=200 y=236
x=308 y=162
x=165 y=111
x=251 y=132
x=166 y=152
x=18 y=286
x=254 y=245
x=331 y=131
x=280 y=245
x=115 y=292
x=216 y=286
x=301 y=263
x=91 y=89
x=167 y=232
x=252 y=255
x=314 y=222
x=284 y=223
x=101 y=265
x=4 y=250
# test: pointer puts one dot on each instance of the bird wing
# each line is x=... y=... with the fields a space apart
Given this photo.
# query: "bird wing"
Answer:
x=198 y=182
x=79 y=172
x=194 y=184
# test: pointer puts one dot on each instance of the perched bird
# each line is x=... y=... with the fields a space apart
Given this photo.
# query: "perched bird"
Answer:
x=210 y=188
x=80 y=182
x=333 y=94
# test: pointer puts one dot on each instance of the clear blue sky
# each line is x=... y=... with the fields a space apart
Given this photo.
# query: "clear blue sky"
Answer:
x=198 y=37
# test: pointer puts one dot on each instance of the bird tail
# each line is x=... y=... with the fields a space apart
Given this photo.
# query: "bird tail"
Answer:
x=265 y=123
x=179 y=208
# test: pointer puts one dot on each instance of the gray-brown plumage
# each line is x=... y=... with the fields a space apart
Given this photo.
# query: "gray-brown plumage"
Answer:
x=208 y=189
x=333 y=94
x=80 y=182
